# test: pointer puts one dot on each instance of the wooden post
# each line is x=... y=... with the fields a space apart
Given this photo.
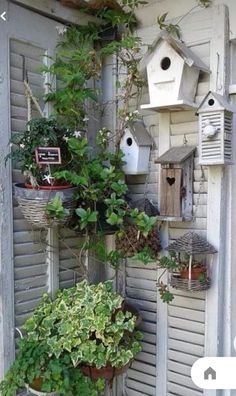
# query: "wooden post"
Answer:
x=6 y=221
x=217 y=194
x=162 y=309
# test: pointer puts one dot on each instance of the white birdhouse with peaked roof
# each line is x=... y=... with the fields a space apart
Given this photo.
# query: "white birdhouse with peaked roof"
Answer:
x=172 y=71
x=136 y=145
x=215 y=130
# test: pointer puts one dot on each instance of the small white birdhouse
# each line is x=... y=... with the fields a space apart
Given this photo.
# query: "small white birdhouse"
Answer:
x=215 y=130
x=172 y=71
x=176 y=184
x=136 y=144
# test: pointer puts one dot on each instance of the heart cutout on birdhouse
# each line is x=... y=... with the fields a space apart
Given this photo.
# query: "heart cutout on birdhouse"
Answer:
x=170 y=180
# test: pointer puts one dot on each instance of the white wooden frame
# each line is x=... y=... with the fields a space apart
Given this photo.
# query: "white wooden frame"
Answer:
x=217 y=197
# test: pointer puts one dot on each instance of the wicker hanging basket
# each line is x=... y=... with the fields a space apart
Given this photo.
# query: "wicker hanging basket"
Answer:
x=33 y=204
x=191 y=244
x=189 y=285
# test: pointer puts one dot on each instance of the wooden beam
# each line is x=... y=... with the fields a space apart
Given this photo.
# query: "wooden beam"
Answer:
x=6 y=220
x=218 y=196
x=53 y=9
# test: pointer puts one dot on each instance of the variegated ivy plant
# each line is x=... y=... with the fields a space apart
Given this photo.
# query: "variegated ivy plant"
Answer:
x=88 y=324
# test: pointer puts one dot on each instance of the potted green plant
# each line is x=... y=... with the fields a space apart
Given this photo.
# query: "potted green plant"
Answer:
x=41 y=187
x=45 y=375
x=89 y=324
x=85 y=331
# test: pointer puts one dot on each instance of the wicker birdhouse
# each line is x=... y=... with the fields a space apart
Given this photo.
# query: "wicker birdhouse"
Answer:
x=172 y=71
x=136 y=145
x=176 y=186
x=215 y=130
x=193 y=274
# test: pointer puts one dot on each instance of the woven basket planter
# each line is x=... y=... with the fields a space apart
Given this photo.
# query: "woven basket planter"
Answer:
x=39 y=393
x=33 y=204
x=189 y=285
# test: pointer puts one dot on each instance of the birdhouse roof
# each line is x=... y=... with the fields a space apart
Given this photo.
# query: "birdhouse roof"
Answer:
x=191 y=59
x=175 y=155
x=140 y=133
x=224 y=104
x=191 y=243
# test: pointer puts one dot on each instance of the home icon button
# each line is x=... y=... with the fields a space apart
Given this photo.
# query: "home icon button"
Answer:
x=210 y=374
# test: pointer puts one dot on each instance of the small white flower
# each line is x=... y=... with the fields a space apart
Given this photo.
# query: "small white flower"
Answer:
x=126 y=118
x=65 y=138
x=77 y=134
x=49 y=178
x=86 y=119
x=136 y=112
x=61 y=30
x=22 y=146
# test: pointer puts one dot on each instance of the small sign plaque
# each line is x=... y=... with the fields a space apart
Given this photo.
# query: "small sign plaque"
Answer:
x=48 y=155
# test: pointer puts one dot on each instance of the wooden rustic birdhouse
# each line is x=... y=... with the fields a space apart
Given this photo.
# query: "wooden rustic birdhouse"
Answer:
x=136 y=145
x=176 y=184
x=172 y=71
x=215 y=130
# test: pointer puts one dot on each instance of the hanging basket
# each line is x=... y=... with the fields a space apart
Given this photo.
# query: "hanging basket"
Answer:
x=33 y=204
x=189 y=285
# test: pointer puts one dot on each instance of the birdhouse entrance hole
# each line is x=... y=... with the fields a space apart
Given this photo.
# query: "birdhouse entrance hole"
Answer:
x=165 y=63
x=170 y=180
x=211 y=102
x=129 y=141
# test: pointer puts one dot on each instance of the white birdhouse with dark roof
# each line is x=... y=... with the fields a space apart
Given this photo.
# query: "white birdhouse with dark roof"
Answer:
x=136 y=145
x=215 y=130
x=172 y=71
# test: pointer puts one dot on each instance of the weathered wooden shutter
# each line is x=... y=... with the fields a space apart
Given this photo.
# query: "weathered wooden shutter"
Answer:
x=69 y=259
x=141 y=292
x=29 y=254
x=186 y=335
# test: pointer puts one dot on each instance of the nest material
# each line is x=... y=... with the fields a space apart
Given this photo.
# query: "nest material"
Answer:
x=134 y=242
x=191 y=243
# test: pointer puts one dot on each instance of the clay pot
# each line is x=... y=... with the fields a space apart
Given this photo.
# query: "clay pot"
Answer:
x=195 y=273
x=108 y=373
x=49 y=187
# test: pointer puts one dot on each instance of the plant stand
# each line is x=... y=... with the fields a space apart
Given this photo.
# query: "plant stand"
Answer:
x=33 y=204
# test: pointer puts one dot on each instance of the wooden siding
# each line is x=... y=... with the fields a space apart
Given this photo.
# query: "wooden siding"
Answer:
x=186 y=315
x=30 y=269
x=141 y=293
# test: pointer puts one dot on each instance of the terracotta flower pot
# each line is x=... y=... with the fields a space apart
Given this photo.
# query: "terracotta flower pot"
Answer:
x=195 y=273
x=49 y=187
x=108 y=373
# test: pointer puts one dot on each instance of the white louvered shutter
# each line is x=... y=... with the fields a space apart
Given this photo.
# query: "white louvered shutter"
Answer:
x=141 y=292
